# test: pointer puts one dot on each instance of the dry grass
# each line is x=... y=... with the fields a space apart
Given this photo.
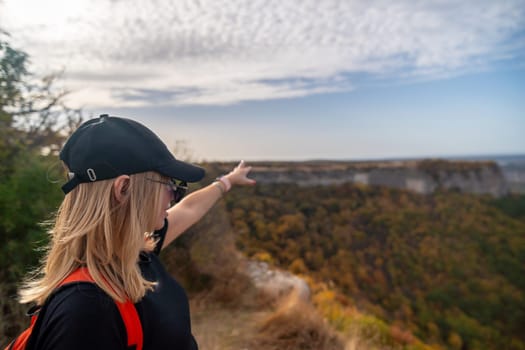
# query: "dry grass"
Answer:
x=218 y=328
x=295 y=325
x=233 y=314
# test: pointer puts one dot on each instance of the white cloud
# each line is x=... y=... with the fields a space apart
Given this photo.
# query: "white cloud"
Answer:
x=222 y=52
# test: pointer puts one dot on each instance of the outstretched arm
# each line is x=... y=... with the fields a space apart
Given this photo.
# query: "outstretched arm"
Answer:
x=193 y=207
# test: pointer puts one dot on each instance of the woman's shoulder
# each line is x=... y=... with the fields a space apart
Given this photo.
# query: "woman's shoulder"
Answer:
x=81 y=316
x=81 y=297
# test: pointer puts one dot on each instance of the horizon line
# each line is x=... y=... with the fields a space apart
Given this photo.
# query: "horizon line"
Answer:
x=473 y=157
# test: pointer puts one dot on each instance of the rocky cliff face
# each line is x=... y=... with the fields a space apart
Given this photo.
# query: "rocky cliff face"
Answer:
x=513 y=170
x=423 y=176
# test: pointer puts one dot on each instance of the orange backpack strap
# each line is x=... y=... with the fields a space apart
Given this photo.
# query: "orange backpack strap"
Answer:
x=132 y=321
x=79 y=275
x=127 y=310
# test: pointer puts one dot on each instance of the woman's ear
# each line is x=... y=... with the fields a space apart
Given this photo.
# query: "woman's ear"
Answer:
x=120 y=187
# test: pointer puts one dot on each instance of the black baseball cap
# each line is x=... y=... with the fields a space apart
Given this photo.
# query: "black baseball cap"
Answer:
x=106 y=147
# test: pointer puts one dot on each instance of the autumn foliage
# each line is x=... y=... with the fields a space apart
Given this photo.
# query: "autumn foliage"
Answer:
x=446 y=268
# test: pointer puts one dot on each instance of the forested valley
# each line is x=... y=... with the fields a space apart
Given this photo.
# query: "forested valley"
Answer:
x=448 y=268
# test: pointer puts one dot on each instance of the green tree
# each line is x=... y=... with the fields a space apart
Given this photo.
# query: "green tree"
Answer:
x=33 y=124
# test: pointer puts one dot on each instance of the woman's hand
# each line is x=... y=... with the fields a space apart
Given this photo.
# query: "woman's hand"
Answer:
x=239 y=175
x=193 y=207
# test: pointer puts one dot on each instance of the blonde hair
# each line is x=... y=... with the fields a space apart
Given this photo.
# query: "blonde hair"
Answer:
x=93 y=229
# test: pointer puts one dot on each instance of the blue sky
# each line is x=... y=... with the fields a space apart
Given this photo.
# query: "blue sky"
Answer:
x=292 y=80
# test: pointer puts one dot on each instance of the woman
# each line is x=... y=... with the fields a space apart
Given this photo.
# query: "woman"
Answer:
x=113 y=222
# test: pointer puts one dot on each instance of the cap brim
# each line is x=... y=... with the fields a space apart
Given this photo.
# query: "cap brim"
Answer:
x=182 y=171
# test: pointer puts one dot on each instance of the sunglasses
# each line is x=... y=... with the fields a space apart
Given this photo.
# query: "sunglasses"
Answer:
x=178 y=190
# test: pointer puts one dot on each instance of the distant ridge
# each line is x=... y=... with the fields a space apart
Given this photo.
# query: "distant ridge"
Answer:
x=480 y=157
x=498 y=176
